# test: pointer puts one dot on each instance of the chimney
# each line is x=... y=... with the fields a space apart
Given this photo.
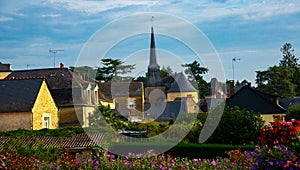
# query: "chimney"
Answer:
x=231 y=87
x=62 y=65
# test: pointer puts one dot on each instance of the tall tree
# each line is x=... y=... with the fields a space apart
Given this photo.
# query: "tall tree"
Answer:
x=195 y=72
x=166 y=71
x=113 y=69
x=283 y=79
x=289 y=59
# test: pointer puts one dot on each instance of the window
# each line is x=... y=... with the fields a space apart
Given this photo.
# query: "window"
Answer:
x=46 y=121
x=89 y=96
x=130 y=104
x=96 y=97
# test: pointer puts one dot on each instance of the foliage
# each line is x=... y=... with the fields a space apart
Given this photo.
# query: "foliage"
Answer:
x=293 y=113
x=113 y=69
x=195 y=71
x=166 y=71
x=237 y=126
x=12 y=160
x=241 y=158
x=193 y=135
x=282 y=80
x=87 y=73
x=276 y=157
x=277 y=80
x=61 y=132
x=285 y=133
x=289 y=59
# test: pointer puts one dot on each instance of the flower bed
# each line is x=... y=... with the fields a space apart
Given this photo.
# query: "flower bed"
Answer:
x=278 y=149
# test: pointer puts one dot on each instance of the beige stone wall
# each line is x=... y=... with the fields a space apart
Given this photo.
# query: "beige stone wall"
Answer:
x=87 y=112
x=69 y=114
x=44 y=104
x=122 y=102
x=192 y=106
x=148 y=91
x=270 y=117
x=172 y=95
x=3 y=75
x=15 y=120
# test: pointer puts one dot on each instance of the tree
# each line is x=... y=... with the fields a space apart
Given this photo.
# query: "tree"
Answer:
x=166 y=71
x=289 y=59
x=194 y=72
x=282 y=80
x=112 y=69
x=87 y=73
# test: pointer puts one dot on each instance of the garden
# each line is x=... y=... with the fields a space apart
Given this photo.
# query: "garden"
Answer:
x=275 y=146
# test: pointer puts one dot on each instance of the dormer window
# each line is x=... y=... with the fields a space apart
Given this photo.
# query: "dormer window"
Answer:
x=52 y=74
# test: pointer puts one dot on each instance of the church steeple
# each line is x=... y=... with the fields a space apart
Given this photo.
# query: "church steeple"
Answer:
x=154 y=78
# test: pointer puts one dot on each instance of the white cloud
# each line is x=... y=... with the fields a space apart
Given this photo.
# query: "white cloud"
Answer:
x=5 y=19
x=93 y=7
x=50 y=15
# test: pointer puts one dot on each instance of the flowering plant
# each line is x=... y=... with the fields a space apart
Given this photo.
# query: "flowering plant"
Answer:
x=285 y=132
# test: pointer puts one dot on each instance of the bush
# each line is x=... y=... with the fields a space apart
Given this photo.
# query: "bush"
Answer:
x=237 y=126
x=293 y=113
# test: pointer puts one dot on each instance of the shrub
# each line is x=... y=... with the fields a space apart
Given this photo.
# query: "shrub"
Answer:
x=237 y=126
x=293 y=113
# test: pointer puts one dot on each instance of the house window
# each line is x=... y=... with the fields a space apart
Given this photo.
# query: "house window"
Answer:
x=130 y=104
x=89 y=96
x=96 y=97
x=46 y=120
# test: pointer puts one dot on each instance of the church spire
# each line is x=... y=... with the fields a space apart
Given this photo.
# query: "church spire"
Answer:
x=153 y=61
x=153 y=68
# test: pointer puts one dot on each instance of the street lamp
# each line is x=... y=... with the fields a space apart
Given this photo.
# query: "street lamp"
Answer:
x=234 y=60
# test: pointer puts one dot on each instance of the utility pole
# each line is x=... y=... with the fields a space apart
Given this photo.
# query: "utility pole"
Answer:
x=234 y=60
x=54 y=52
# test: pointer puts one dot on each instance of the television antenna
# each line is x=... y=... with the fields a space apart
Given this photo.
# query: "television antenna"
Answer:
x=54 y=52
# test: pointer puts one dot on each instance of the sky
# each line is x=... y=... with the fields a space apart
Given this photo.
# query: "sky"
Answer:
x=253 y=31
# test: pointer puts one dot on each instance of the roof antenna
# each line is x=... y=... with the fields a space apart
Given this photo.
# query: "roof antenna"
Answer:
x=54 y=52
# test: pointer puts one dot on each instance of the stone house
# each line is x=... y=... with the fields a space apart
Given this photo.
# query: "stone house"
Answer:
x=127 y=98
x=76 y=99
x=27 y=104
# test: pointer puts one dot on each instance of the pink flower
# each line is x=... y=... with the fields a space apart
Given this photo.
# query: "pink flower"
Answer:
x=214 y=163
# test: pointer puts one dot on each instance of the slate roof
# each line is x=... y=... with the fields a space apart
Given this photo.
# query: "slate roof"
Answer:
x=165 y=111
x=19 y=95
x=286 y=103
x=79 y=141
x=59 y=81
x=56 y=78
x=111 y=89
x=181 y=84
x=251 y=99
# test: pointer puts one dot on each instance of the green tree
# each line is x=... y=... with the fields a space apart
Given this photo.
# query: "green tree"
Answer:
x=282 y=80
x=289 y=59
x=113 y=69
x=166 y=71
x=87 y=73
x=195 y=72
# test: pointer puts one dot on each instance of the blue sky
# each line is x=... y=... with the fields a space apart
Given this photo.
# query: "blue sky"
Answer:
x=251 y=30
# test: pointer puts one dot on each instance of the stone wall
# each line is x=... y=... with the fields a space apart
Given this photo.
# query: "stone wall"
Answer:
x=15 y=120
x=44 y=104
